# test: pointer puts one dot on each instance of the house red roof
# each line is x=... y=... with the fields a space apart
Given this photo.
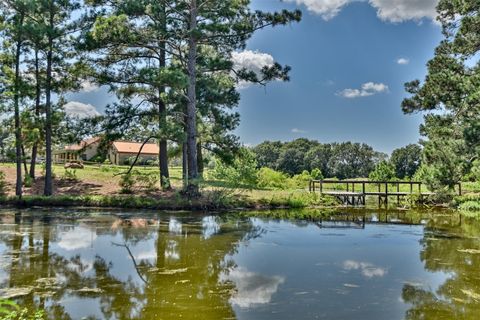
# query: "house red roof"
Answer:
x=82 y=145
x=134 y=147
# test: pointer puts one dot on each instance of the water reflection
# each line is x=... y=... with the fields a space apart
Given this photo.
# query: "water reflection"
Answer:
x=114 y=268
x=252 y=288
x=363 y=265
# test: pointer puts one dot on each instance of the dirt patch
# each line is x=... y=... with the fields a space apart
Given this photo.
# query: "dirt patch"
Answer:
x=91 y=184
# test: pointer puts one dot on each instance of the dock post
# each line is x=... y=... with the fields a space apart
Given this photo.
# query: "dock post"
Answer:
x=386 y=194
x=398 y=193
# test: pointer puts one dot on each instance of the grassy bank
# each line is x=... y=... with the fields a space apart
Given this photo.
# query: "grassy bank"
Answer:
x=211 y=200
x=99 y=186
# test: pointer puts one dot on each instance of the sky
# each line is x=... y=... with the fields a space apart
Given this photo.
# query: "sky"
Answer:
x=350 y=60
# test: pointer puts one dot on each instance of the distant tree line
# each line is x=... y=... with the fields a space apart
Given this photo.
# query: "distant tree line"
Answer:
x=339 y=160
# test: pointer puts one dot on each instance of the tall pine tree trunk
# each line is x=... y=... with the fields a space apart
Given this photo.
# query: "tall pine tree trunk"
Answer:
x=24 y=160
x=162 y=115
x=48 y=191
x=16 y=106
x=200 y=165
x=184 y=165
x=33 y=161
x=192 y=187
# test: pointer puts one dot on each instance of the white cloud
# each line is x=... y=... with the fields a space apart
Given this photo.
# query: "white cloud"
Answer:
x=210 y=226
x=251 y=60
x=87 y=86
x=78 y=238
x=367 y=89
x=327 y=9
x=403 y=61
x=252 y=288
x=174 y=226
x=387 y=10
x=368 y=270
x=403 y=10
x=296 y=130
x=80 y=110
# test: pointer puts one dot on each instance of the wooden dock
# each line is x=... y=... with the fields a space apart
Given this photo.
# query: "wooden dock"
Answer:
x=354 y=192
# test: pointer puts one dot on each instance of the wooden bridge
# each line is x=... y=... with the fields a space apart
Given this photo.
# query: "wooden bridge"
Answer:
x=354 y=192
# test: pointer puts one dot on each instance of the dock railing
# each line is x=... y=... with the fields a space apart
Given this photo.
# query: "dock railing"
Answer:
x=355 y=191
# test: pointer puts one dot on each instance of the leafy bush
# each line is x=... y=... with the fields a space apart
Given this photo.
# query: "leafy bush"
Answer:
x=300 y=180
x=9 y=310
x=271 y=179
x=70 y=175
x=148 y=180
x=384 y=171
x=136 y=179
x=475 y=171
x=316 y=174
x=3 y=184
x=27 y=181
x=242 y=172
x=470 y=206
x=127 y=183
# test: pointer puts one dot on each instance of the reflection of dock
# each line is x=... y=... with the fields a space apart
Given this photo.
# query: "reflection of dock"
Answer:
x=359 y=221
x=354 y=192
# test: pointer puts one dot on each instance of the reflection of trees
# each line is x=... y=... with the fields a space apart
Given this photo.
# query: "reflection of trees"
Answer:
x=184 y=281
x=452 y=247
x=182 y=278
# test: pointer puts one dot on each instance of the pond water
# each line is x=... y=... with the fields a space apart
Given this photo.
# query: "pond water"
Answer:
x=140 y=265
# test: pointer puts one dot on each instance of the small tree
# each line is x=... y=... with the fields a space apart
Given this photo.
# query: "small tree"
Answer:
x=384 y=171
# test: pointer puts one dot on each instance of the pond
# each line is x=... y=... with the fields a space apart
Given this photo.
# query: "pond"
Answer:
x=357 y=264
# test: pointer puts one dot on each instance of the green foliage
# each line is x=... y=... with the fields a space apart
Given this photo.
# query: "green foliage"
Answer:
x=127 y=182
x=450 y=96
x=343 y=160
x=298 y=200
x=70 y=174
x=9 y=310
x=316 y=174
x=470 y=206
x=406 y=160
x=384 y=171
x=27 y=181
x=138 y=179
x=242 y=172
x=271 y=179
x=147 y=180
x=300 y=180
x=3 y=184
x=475 y=170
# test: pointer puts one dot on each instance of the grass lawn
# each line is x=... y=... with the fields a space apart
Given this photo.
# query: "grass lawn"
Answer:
x=99 y=184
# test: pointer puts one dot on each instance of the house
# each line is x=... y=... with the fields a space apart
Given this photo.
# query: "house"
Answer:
x=85 y=151
x=121 y=152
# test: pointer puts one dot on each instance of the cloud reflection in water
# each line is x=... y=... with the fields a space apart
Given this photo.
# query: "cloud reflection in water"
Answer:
x=252 y=288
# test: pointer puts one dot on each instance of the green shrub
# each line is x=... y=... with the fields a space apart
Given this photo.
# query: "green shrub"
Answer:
x=242 y=172
x=147 y=180
x=70 y=174
x=3 y=184
x=470 y=206
x=316 y=174
x=384 y=171
x=300 y=180
x=9 y=310
x=271 y=179
x=27 y=181
x=475 y=171
x=127 y=182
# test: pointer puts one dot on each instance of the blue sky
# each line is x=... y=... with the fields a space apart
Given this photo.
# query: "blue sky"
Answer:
x=338 y=47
